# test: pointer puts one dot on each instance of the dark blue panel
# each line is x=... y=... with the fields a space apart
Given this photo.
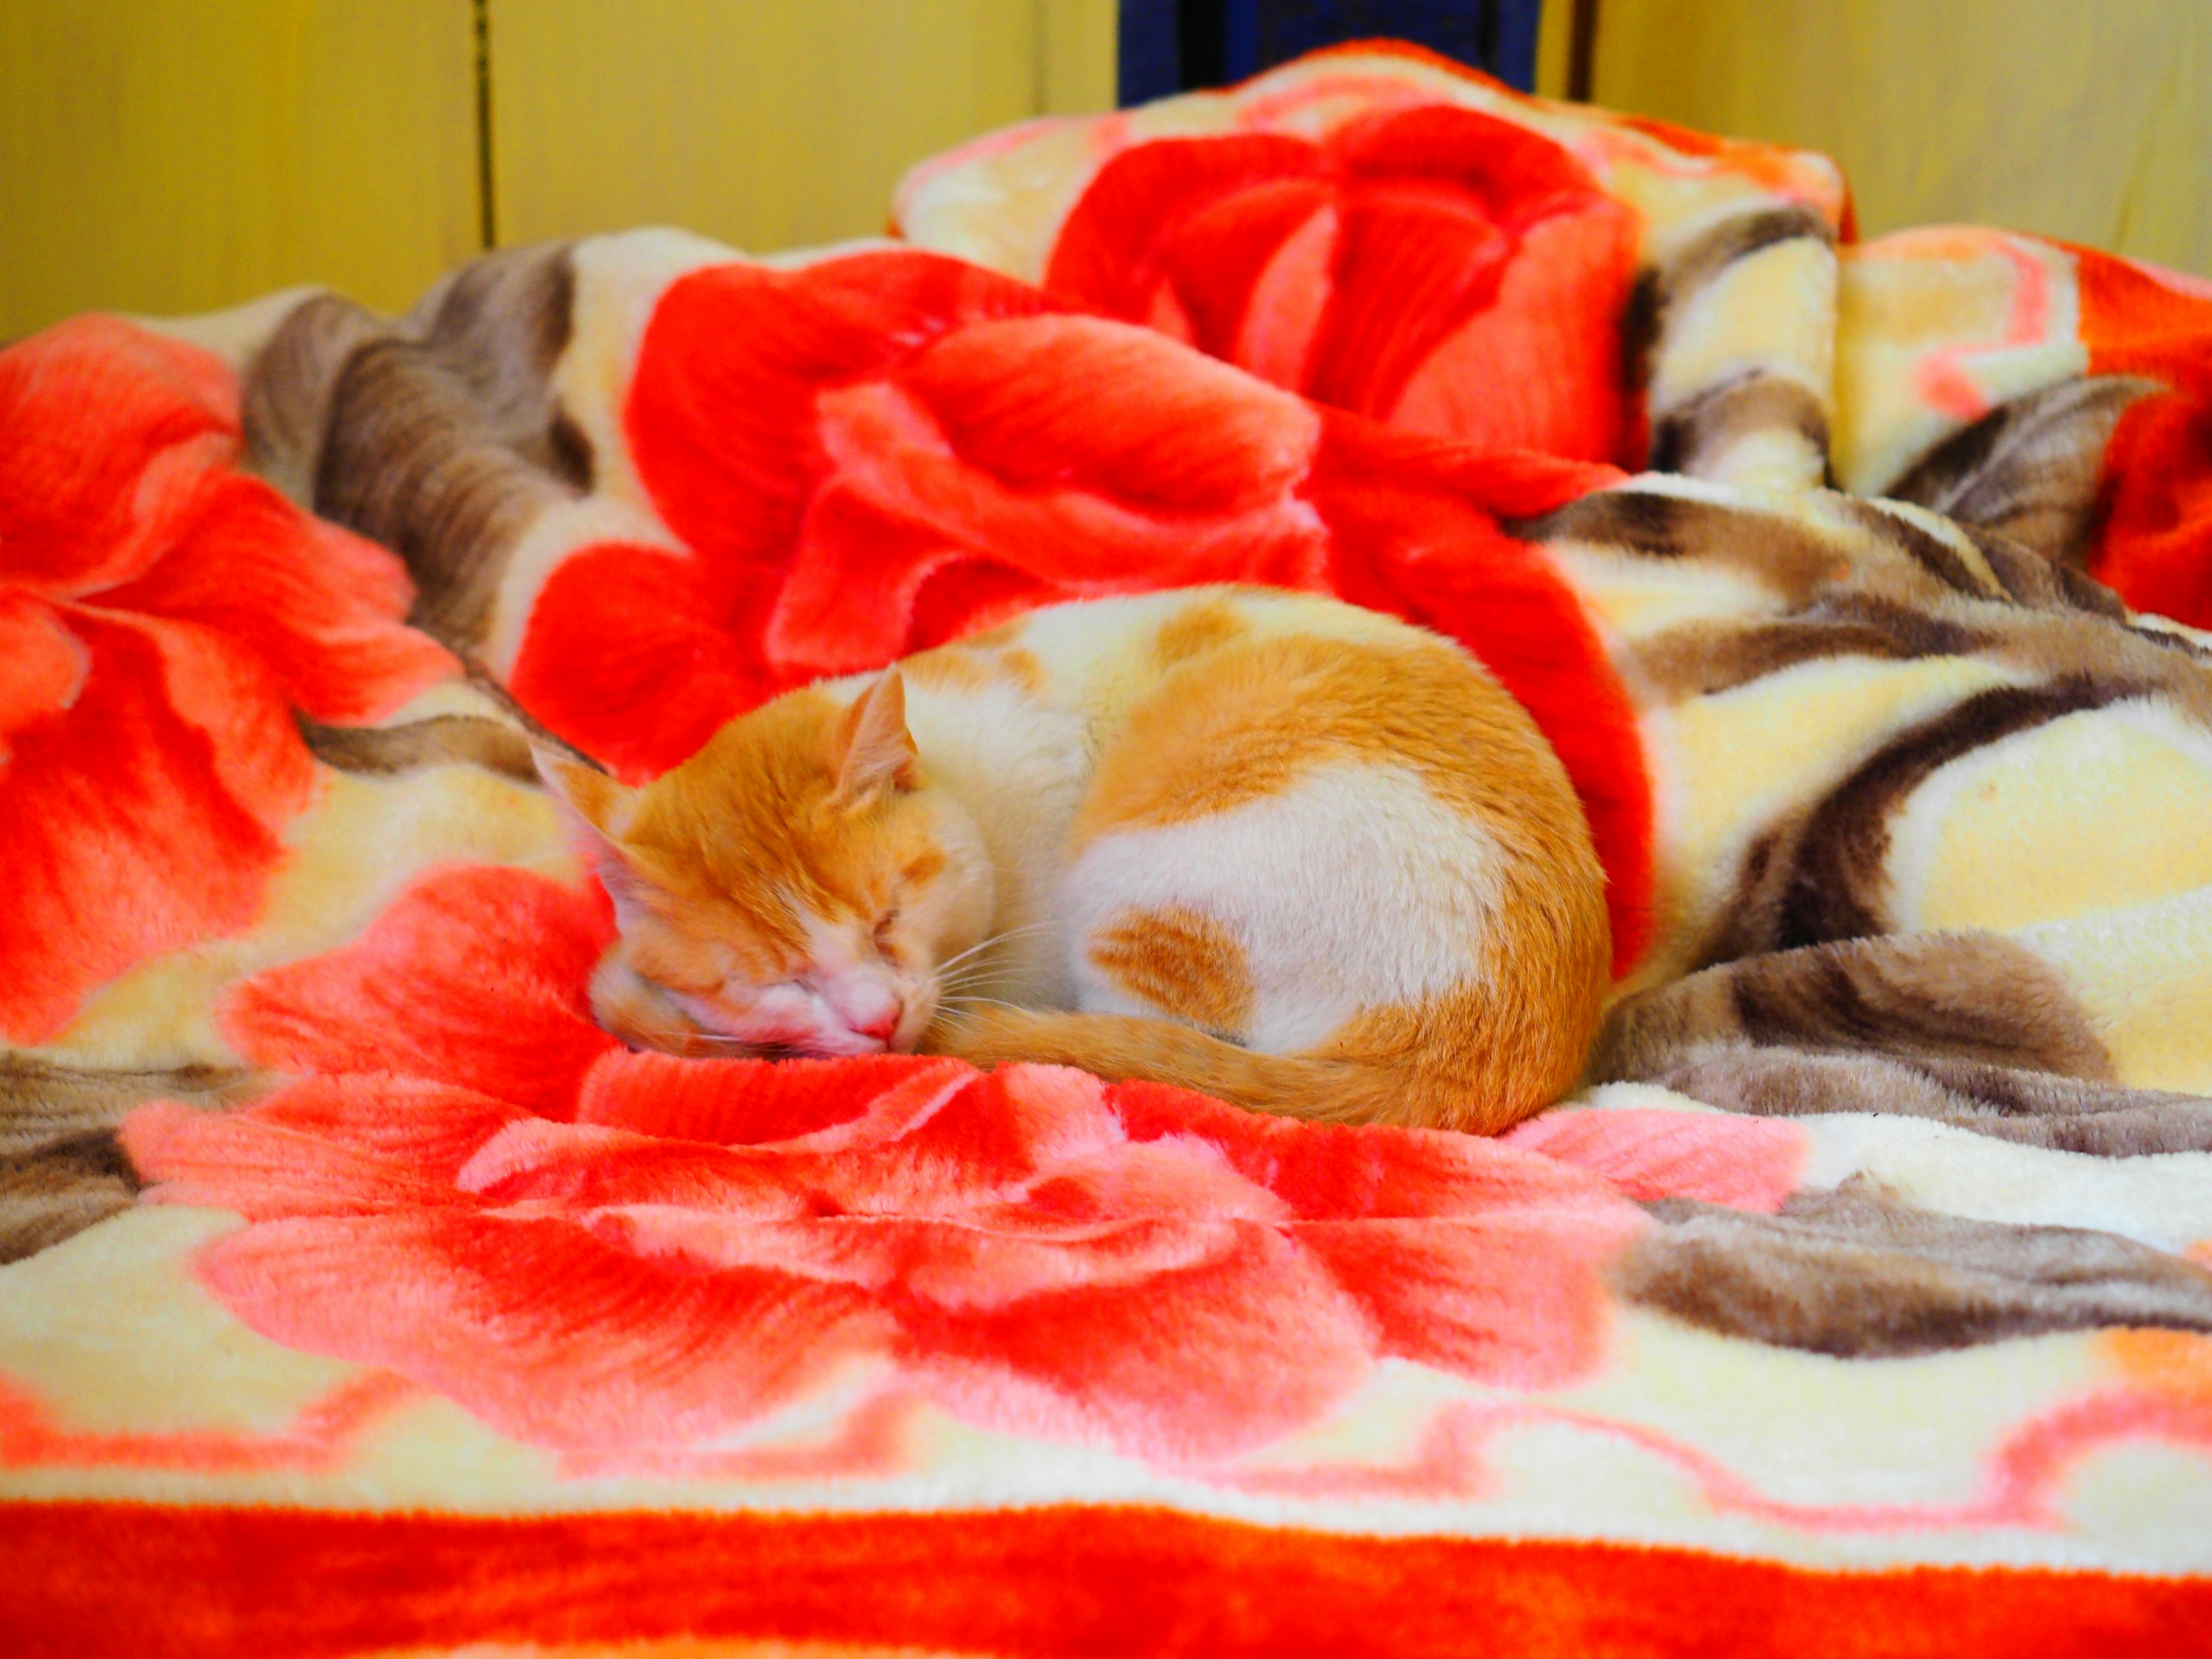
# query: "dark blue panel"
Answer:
x=1174 y=45
x=1240 y=40
x=1150 y=51
x=1514 y=61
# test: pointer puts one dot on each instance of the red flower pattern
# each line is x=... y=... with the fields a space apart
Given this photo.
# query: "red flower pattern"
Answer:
x=599 y=1251
x=882 y=451
x=161 y=616
x=2154 y=545
x=1434 y=267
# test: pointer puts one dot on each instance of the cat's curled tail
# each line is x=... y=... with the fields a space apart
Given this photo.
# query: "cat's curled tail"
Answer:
x=1347 y=1087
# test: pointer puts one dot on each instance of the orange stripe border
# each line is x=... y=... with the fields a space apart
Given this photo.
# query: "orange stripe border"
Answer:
x=91 y=1580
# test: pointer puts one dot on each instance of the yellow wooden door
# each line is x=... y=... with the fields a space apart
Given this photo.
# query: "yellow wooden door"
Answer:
x=170 y=156
x=2085 y=119
x=176 y=155
x=766 y=124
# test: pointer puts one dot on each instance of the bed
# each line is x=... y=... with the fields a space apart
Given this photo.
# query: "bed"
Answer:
x=363 y=1298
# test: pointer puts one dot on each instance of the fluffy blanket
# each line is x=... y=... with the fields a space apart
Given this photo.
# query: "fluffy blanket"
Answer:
x=365 y=1297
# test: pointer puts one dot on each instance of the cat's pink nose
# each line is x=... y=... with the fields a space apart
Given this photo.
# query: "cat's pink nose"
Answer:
x=860 y=1006
x=881 y=1024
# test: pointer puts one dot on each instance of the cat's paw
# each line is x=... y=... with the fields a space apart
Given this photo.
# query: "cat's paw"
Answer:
x=631 y=1007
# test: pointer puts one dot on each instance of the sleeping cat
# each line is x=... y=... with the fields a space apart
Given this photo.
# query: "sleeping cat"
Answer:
x=1292 y=854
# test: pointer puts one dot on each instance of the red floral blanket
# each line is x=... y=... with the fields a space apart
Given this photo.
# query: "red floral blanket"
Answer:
x=362 y=1297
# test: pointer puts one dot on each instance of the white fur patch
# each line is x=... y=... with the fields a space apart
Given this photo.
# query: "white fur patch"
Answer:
x=1352 y=888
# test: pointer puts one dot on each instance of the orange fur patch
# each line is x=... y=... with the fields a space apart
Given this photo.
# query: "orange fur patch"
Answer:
x=1182 y=962
x=1193 y=632
x=1245 y=721
x=971 y=666
x=1482 y=1057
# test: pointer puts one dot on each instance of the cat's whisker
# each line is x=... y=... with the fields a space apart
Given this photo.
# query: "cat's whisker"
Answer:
x=1000 y=938
x=957 y=1004
x=970 y=991
x=962 y=972
x=978 y=976
x=1006 y=933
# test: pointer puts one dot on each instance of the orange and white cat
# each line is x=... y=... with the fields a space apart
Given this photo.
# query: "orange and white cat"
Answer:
x=1292 y=854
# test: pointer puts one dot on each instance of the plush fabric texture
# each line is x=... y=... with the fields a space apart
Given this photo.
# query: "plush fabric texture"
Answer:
x=362 y=1296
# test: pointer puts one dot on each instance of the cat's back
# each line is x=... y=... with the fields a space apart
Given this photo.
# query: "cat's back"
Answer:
x=1185 y=693
x=1217 y=701
x=1101 y=657
x=1154 y=684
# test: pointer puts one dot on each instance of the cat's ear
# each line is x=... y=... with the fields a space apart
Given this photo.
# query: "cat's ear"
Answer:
x=873 y=749
x=597 y=812
x=594 y=800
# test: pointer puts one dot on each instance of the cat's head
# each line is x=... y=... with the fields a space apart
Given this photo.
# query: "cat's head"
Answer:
x=790 y=888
